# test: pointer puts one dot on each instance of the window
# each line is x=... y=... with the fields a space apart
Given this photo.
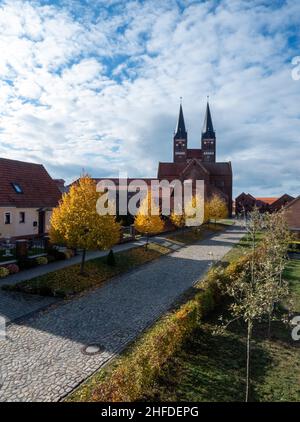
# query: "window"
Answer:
x=7 y=218
x=22 y=217
x=17 y=187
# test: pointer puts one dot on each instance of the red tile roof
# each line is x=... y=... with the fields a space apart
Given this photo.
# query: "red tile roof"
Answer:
x=268 y=201
x=38 y=188
x=170 y=169
x=167 y=170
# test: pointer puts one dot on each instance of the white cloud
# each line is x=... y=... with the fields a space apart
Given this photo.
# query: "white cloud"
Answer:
x=98 y=89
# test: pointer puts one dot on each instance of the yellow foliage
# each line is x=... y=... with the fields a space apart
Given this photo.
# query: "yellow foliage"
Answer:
x=178 y=219
x=194 y=210
x=148 y=220
x=216 y=208
x=76 y=222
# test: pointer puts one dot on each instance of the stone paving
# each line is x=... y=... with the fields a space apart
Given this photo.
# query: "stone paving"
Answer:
x=14 y=305
x=42 y=358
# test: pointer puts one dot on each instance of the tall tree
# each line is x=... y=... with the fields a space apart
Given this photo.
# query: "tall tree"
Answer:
x=148 y=219
x=276 y=242
x=216 y=208
x=76 y=223
x=252 y=289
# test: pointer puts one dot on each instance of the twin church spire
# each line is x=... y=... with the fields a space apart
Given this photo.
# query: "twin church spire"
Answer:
x=208 y=140
x=180 y=131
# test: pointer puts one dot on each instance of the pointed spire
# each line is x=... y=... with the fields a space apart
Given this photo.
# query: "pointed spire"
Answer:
x=180 y=131
x=208 y=126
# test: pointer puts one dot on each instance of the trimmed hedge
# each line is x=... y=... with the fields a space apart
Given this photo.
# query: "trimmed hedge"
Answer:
x=136 y=371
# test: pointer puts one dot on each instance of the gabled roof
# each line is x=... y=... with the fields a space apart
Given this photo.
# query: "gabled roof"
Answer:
x=38 y=189
x=168 y=170
x=218 y=169
x=195 y=162
x=290 y=204
x=285 y=198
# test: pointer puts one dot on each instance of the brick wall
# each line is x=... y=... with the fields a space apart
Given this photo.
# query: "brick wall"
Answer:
x=293 y=215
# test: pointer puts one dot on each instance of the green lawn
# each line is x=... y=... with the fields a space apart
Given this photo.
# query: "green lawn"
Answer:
x=243 y=247
x=211 y=367
x=292 y=273
x=67 y=282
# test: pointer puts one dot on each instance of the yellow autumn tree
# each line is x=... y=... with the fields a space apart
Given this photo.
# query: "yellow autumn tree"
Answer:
x=193 y=214
x=148 y=221
x=178 y=219
x=76 y=223
x=194 y=211
x=216 y=208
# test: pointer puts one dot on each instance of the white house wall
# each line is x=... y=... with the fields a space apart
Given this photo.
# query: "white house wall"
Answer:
x=17 y=229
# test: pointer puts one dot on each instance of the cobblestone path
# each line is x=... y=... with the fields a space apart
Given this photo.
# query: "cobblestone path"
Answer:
x=42 y=358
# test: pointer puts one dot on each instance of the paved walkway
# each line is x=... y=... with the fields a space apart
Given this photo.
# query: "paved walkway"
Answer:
x=42 y=359
x=14 y=306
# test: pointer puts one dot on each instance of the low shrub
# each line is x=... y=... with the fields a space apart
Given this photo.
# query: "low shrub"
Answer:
x=41 y=260
x=111 y=258
x=135 y=372
x=50 y=258
x=27 y=263
x=57 y=255
x=13 y=268
x=4 y=272
x=45 y=291
x=69 y=253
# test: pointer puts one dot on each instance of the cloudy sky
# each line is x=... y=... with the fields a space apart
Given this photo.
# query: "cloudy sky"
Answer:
x=95 y=85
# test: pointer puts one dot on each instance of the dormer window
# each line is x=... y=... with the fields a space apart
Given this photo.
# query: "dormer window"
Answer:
x=17 y=188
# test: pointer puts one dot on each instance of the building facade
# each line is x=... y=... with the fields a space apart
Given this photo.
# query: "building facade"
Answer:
x=199 y=163
x=192 y=164
x=293 y=215
x=245 y=203
x=27 y=196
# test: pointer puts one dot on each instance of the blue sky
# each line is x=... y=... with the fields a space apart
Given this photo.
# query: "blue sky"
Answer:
x=95 y=85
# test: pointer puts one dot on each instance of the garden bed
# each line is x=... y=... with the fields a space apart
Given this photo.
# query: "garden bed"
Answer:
x=68 y=281
x=190 y=235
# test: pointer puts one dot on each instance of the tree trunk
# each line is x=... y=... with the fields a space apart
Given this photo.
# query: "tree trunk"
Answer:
x=249 y=332
x=82 y=262
x=147 y=240
x=269 y=322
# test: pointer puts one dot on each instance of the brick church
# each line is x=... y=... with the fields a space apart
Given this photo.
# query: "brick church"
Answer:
x=199 y=164
x=193 y=164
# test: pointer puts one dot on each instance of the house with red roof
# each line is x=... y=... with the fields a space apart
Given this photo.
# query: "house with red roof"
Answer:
x=27 y=196
x=246 y=202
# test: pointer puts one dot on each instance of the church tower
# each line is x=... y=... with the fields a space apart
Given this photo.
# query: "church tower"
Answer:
x=180 y=140
x=208 y=138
